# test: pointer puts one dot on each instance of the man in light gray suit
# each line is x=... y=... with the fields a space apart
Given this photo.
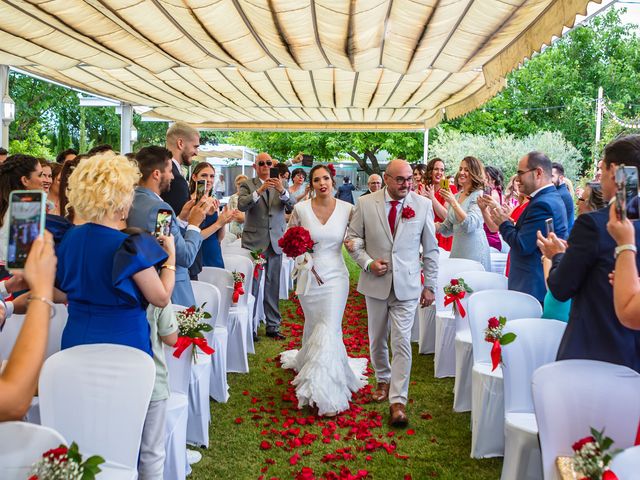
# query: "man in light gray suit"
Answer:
x=385 y=234
x=264 y=201
x=155 y=165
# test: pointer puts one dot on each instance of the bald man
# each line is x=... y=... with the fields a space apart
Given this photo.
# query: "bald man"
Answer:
x=264 y=201
x=386 y=232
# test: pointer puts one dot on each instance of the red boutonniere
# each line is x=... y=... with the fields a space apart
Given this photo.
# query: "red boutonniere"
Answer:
x=407 y=213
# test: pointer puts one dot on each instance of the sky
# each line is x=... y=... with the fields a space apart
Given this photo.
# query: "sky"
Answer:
x=631 y=16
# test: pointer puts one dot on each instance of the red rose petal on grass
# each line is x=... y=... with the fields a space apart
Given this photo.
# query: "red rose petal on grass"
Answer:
x=245 y=392
x=293 y=460
x=407 y=476
x=391 y=434
x=426 y=416
x=264 y=469
x=238 y=420
x=270 y=461
x=264 y=445
x=411 y=431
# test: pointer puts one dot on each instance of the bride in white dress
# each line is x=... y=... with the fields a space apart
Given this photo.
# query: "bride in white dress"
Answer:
x=326 y=377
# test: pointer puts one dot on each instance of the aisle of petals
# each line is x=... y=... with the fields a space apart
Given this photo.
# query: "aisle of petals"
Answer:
x=346 y=443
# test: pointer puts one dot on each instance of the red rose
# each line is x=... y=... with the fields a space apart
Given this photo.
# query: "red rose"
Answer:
x=454 y=281
x=332 y=169
x=264 y=445
x=582 y=442
x=494 y=322
x=609 y=475
x=407 y=212
x=57 y=453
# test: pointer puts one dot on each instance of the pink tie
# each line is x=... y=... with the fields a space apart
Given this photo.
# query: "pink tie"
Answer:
x=393 y=212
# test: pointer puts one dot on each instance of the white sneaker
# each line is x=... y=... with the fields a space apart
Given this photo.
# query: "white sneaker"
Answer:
x=193 y=456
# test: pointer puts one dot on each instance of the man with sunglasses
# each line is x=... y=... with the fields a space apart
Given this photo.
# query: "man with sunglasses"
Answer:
x=534 y=180
x=265 y=201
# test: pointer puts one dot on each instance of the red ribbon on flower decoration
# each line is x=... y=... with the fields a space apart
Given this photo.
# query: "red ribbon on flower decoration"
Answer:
x=456 y=297
x=237 y=291
x=185 y=342
x=496 y=354
x=609 y=475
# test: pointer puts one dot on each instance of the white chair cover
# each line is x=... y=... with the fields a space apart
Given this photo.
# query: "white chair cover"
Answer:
x=536 y=344
x=498 y=262
x=21 y=445
x=626 y=465
x=243 y=310
x=175 y=444
x=487 y=393
x=478 y=281
x=218 y=386
x=199 y=377
x=448 y=269
x=98 y=395
x=237 y=332
x=570 y=396
x=415 y=328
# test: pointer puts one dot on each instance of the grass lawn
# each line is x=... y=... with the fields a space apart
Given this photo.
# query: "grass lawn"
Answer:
x=261 y=410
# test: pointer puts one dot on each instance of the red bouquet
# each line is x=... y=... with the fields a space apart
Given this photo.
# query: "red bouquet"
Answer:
x=493 y=334
x=296 y=241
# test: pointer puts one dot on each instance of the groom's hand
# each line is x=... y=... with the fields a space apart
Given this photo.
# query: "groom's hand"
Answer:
x=379 y=267
x=427 y=297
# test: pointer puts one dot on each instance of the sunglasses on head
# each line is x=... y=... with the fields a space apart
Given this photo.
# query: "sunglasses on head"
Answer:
x=263 y=163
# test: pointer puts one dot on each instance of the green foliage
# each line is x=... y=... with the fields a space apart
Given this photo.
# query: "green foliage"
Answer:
x=32 y=144
x=504 y=151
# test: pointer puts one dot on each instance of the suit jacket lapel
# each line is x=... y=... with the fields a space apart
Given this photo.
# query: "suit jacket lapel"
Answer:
x=399 y=220
x=382 y=213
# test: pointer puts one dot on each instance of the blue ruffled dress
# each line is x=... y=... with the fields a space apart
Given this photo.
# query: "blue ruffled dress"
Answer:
x=211 y=250
x=96 y=265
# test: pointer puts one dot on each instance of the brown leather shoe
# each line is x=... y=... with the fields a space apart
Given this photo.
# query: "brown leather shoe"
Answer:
x=381 y=393
x=397 y=415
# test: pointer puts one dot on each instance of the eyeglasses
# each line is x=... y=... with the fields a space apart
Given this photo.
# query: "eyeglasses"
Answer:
x=519 y=173
x=402 y=180
x=262 y=163
x=580 y=199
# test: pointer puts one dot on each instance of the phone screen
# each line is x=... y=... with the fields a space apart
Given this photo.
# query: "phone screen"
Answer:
x=444 y=183
x=549 y=224
x=201 y=188
x=163 y=223
x=631 y=193
x=26 y=223
x=274 y=172
x=307 y=160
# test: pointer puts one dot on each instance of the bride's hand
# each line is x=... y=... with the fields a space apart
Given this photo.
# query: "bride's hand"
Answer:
x=350 y=245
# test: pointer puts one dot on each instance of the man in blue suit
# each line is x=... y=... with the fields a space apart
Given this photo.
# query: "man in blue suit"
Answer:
x=557 y=178
x=155 y=165
x=534 y=180
x=580 y=271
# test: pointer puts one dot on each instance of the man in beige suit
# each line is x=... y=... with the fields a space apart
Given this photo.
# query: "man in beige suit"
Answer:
x=384 y=237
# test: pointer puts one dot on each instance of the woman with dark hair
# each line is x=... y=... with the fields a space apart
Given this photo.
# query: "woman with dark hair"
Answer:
x=18 y=172
x=63 y=209
x=326 y=377
x=298 y=189
x=494 y=183
x=419 y=176
x=210 y=250
x=591 y=198
x=464 y=219
x=431 y=187
x=53 y=196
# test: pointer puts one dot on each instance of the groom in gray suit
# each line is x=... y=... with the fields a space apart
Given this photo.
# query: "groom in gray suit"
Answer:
x=155 y=165
x=264 y=201
x=384 y=237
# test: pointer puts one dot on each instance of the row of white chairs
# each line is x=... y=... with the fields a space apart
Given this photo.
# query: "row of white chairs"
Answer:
x=501 y=401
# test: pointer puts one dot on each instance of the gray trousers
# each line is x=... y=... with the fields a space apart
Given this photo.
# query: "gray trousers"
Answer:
x=152 y=453
x=271 y=289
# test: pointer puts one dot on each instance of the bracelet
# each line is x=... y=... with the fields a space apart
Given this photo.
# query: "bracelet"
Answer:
x=623 y=248
x=44 y=300
x=168 y=267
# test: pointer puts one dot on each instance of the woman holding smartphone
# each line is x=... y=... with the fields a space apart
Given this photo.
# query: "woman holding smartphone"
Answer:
x=201 y=183
x=434 y=182
x=106 y=276
x=464 y=219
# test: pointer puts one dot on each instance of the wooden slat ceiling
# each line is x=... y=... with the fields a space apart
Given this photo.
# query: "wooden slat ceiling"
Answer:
x=395 y=64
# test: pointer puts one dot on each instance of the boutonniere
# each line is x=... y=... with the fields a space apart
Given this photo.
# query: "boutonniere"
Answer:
x=407 y=213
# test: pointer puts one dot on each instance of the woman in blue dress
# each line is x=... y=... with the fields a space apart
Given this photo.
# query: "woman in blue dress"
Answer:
x=108 y=277
x=213 y=225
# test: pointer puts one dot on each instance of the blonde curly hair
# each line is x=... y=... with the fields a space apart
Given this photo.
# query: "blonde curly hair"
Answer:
x=102 y=185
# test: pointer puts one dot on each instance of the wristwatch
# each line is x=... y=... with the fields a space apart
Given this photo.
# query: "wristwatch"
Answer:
x=430 y=288
x=622 y=248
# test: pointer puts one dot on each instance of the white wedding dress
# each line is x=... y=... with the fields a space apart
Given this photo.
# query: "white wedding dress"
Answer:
x=326 y=377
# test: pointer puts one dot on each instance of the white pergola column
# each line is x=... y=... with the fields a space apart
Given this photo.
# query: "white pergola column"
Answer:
x=126 y=122
x=4 y=90
x=425 y=153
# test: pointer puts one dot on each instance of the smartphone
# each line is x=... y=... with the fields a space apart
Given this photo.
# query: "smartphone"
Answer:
x=444 y=183
x=201 y=188
x=27 y=212
x=307 y=160
x=163 y=223
x=274 y=172
x=627 y=193
x=487 y=190
x=549 y=224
